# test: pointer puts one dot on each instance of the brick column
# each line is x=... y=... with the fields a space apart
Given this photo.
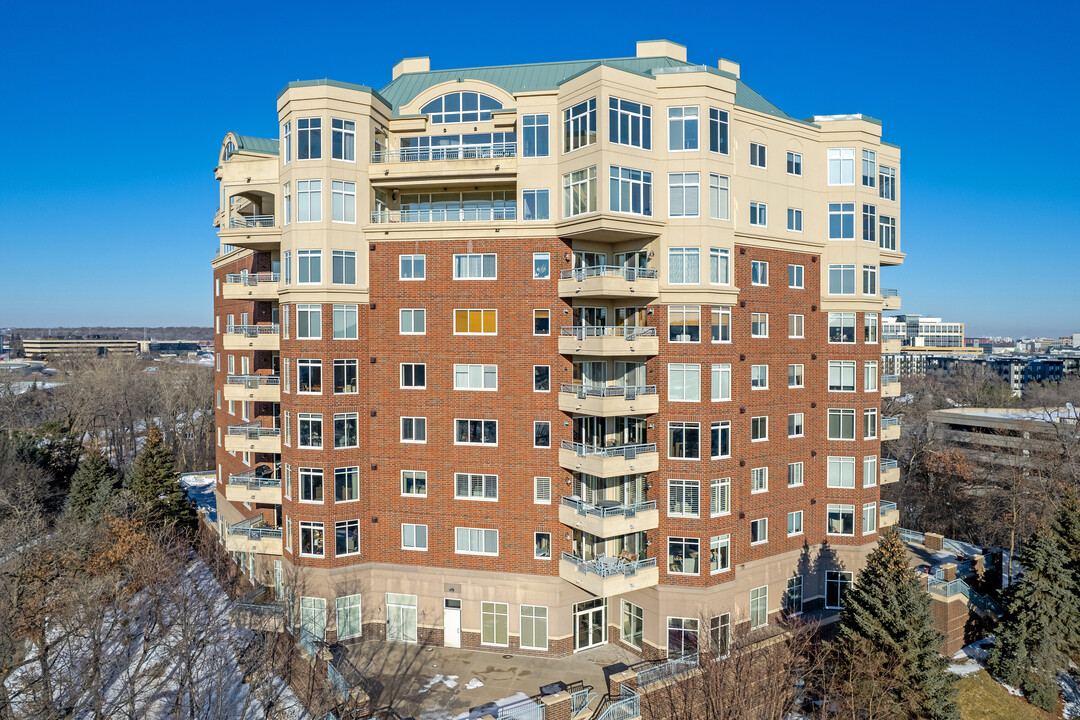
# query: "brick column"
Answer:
x=949 y=569
x=617 y=681
x=934 y=541
x=557 y=706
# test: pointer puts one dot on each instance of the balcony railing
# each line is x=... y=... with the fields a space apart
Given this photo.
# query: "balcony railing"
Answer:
x=478 y=214
x=253 y=330
x=253 y=381
x=886 y=506
x=628 y=452
x=889 y=292
x=583 y=331
x=254 y=431
x=629 y=392
x=255 y=529
x=251 y=478
x=668 y=670
x=628 y=510
x=627 y=273
x=888 y=464
x=889 y=421
x=252 y=221
x=252 y=279
x=462 y=152
x=889 y=379
x=609 y=566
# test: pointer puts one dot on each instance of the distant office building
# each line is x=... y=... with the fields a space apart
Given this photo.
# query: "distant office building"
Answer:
x=67 y=347
x=916 y=331
x=1071 y=340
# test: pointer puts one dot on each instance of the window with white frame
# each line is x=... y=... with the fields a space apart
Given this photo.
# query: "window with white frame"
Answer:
x=534 y=135
x=347 y=610
x=346 y=484
x=683 y=128
x=869 y=279
x=346 y=430
x=310 y=428
x=841 y=424
x=721 y=439
x=795 y=326
x=841 y=279
x=841 y=472
x=870 y=423
x=683 y=194
x=534 y=626
x=309 y=322
x=412 y=267
x=870 y=471
x=869 y=223
x=841 y=327
x=473 y=486
x=720 y=496
x=886 y=182
x=541 y=378
x=795 y=474
x=684 y=498
x=759 y=272
x=721 y=324
x=759 y=377
x=837 y=585
x=308 y=138
x=475 y=266
x=309 y=267
x=287 y=134
x=476 y=432
x=684 y=440
x=413 y=321
x=345 y=372
x=719 y=197
x=414 y=483
x=841 y=166
x=309 y=376
x=794 y=523
x=759 y=325
x=542 y=490
x=684 y=323
x=759 y=214
x=795 y=276
x=842 y=376
x=629 y=123
x=579 y=192
x=795 y=375
x=684 y=265
x=721 y=382
x=683 y=555
x=413 y=376
x=841 y=520
x=887 y=233
x=870 y=328
x=759 y=531
x=579 y=125
x=759 y=480
x=841 y=221
x=311 y=485
x=684 y=382
x=311 y=539
x=343 y=201
x=541 y=265
x=718 y=131
x=413 y=430
x=630 y=191
x=794 y=219
x=476 y=541
x=869 y=518
x=414 y=537
x=286 y=263
x=870 y=376
x=719 y=553
x=536 y=204
x=757 y=155
x=795 y=425
x=869 y=168
x=719 y=266
x=309 y=201
x=343 y=270
x=759 y=428
x=476 y=377
x=344 y=322
x=794 y=163
x=342 y=139
x=541 y=434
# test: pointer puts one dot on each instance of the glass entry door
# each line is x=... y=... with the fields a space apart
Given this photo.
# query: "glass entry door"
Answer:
x=401 y=617
x=590 y=624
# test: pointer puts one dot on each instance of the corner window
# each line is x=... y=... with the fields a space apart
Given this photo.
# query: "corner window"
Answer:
x=344 y=267
x=841 y=221
x=719 y=197
x=309 y=201
x=629 y=123
x=579 y=125
x=631 y=191
x=683 y=128
x=683 y=192
x=718 y=131
x=579 y=192
x=343 y=139
x=309 y=139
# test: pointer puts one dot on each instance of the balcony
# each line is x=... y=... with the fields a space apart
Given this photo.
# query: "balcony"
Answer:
x=253 y=437
x=612 y=227
x=608 y=340
x=252 y=337
x=254 y=232
x=258 y=611
x=609 y=400
x=890 y=347
x=609 y=461
x=253 y=535
x=251 y=286
x=891 y=299
x=890 y=386
x=450 y=215
x=608 y=518
x=262 y=486
x=494 y=161
x=607 y=577
x=253 y=388
x=609 y=281
x=890 y=472
x=890 y=428
x=888 y=514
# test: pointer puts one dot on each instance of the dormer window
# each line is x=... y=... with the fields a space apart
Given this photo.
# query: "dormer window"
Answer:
x=230 y=148
x=459 y=107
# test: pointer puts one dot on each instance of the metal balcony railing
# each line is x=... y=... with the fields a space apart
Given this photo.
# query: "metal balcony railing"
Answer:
x=628 y=392
x=888 y=464
x=628 y=510
x=461 y=152
x=609 y=566
x=254 y=528
x=886 y=506
x=629 y=452
x=253 y=330
x=584 y=331
x=254 y=431
x=252 y=479
x=887 y=379
x=627 y=273
x=666 y=671
x=253 y=381
x=252 y=221
x=889 y=292
x=471 y=214
x=889 y=421
x=252 y=278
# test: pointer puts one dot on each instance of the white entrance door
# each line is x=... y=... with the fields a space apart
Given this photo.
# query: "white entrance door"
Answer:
x=590 y=624
x=452 y=623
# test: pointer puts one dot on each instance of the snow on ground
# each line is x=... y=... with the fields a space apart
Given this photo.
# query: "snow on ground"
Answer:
x=199 y=488
x=449 y=681
x=1070 y=689
x=473 y=684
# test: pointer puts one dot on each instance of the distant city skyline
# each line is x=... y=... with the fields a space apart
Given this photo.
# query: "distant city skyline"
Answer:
x=105 y=217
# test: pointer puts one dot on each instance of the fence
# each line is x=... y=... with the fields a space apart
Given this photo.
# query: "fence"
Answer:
x=580 y=700
x=525 y=711
x=337 y=682
x=627 y=707
x=911 y=536
x=668 y=670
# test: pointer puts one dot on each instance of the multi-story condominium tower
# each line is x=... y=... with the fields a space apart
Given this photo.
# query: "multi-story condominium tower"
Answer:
x=540 y=357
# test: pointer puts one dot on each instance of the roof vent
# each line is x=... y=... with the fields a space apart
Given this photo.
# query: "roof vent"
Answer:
x=661 y=48
x=412 y=65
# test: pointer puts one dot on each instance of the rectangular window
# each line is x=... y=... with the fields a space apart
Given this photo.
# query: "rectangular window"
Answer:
x=759 y=214
x=629 y=123
x=684 y=382
x=841 y=520
x=837 y=585
x=542 y=490
x=870 y=471
x=344 y=267
x=476 y=541
x=343 y=139
x=536 y=204
x=579 y=125
x=310 y=427
x=720 y=496
x=793 y=595
x=759 y=480
x=534 y=625
x=633 y=625
x=311 y=539
x=308 y=138
x=841 y=424
x=757 y=155
x=683 y=192
x=344 y=322
x=541 y=266
x=795 y=375
x=759 y=531
x=684 y=441
x=841 y=472
x=346 y=430
x=841 y=327
x=719 y=197
x=309 y=376
x=721 y=381
x=683 y=555
x=534 y=136
x=475 y=322
x=887 y=228
x=684 y=323
x=794 y=523
x=795 y=474
x=869 y=280
x=346 y=484
x=719 y=553
x=475 y=266
x=414 y=483
x=476 y=487
x=414 y=537
x=413 y=430
x=682 y=636
x=412 y=267
x=759 y=428
x=718 y=131
x=869 y=223
x=343 y=201
x=795 y=425
x=795 y=326
x=869 y=167
x=759 y=272
x=795 y=276
x=412 y=321
x=345 y=377
x=721 y=324
x=309 y=267
x=287 y=193
x=841 y=376
x=684 y=266
x=683 y=128
x=579 y=192
x=287 y=132
x=870 y=328
x=841 y=279
x=311 y=485
x=794 y=163
x=348 y=615
x=759 y=377
x=476 y=432
x=759 y=325
x=287 y=266
x=870 y=376
x=541 y=434
x=869 y=518
x=413 y=376
x=870 y=423
x=841 y=166
x=721 y=440
x=630 y=191
x=541 y=378
x=309 y=201
x=794 y=220
x=684 y=497
x=886 y=182
x=720 y=634
x=476 y=377
x=841 y=221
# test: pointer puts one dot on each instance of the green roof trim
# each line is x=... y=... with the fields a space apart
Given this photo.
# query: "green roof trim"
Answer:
x=331 y=83
x=889 y=144
x=249 y=143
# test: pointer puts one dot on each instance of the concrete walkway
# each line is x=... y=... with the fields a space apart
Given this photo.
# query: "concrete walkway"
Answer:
x=437 y=683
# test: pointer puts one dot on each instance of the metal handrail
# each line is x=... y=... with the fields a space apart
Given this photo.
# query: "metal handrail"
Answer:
x=240 y=478
x=608 y=390
x=252 y=278
x=254 y=482
x=470 y=214
x=889 y=464
x=666 y=671
x=617 y=566
x=253 y=381
x=889 y=292
x=628 y=510
x=253 y=330
x=629 y=332
x=621 y=271
x=886 y=379
x=615 y=451
x=625 y=709
x=912 y=536
x=886 y=506
x=580 y=700
x=252 y=221
x=254 y=431
x=251 y=527
x=889 y=421
x=460 y=152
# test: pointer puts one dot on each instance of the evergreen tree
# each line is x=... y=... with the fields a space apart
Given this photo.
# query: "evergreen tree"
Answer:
x=888 y=610
x=1067 y=530
x=93 y=476
x=153 y=480
x=1038 y=629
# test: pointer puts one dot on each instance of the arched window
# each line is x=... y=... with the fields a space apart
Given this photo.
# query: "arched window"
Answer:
x=230 y=148
x=459 y=107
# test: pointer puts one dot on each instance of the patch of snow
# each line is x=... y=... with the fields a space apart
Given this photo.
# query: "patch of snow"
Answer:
x=449 y=681
x=1070 y=691
x=200 y=489
x=1012 y=691
x=964 y=668
x=473 y=684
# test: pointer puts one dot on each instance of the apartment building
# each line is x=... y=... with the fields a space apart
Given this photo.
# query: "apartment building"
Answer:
x=536 y=358
x=928 y=334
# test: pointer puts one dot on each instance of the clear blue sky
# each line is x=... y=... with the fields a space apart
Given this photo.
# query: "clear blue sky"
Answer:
x=116 y=112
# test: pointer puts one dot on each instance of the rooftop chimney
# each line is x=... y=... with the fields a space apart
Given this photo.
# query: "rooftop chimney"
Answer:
x=728 y=66
x=412 y=65
x=661 y=48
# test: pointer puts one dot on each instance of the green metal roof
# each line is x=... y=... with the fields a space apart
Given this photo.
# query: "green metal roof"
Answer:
x=266 y=146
